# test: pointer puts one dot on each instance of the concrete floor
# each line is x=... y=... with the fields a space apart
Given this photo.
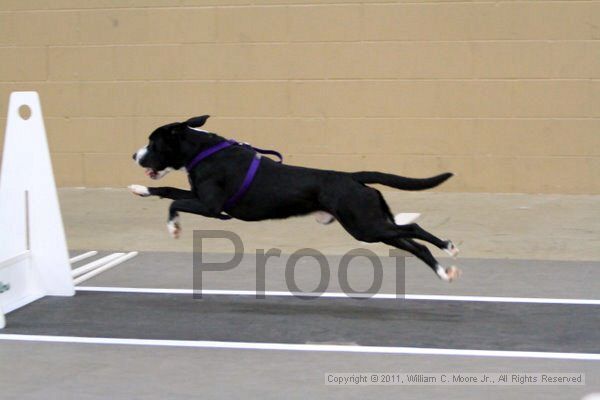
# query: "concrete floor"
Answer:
x=90 y=372
x=514 y=226
x=512 y=245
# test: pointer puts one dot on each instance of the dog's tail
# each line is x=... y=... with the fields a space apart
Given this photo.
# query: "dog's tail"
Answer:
x=400 y=182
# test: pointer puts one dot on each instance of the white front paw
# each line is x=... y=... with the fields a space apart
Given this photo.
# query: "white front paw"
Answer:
x=139 y=190
x=174 y=228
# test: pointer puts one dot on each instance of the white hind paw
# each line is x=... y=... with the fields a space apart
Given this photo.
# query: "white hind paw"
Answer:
x=449 y=274
x=453 y=273
x=451 y=249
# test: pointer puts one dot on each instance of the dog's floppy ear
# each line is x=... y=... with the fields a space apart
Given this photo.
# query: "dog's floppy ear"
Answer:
x=197 y=122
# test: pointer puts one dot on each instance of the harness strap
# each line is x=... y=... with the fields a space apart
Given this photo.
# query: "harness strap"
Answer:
x=263 y=151
x=246 y=184
x=250 y=174
x=208 y=152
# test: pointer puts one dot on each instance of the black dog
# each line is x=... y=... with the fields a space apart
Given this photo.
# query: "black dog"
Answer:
x=280 y=191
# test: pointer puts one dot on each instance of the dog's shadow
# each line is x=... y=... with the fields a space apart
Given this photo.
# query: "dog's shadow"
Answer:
x=348 y=309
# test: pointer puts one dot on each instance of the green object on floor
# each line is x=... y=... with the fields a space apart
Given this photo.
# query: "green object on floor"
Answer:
x=4 y=287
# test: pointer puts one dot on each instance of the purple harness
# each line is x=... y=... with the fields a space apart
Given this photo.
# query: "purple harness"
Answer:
x=250 y=174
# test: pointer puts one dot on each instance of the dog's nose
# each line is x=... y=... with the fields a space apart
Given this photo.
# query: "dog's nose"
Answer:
x=134 y=156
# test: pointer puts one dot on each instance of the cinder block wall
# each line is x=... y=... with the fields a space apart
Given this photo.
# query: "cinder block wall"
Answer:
x=504 y=93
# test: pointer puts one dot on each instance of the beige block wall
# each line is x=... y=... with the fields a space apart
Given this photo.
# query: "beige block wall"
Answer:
x=506 y=93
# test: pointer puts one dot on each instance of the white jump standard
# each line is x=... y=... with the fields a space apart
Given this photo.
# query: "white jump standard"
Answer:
x=34 y=261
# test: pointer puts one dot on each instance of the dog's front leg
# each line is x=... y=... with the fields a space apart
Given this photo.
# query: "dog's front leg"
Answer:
x=192 y=206
x=163 y=192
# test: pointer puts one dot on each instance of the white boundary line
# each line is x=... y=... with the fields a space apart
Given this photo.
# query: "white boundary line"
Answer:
x=381 y=296
x=301 y=347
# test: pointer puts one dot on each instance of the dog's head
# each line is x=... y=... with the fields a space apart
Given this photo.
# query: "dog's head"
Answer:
x=165 y=150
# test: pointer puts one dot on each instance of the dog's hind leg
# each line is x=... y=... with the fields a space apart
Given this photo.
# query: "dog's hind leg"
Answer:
x=379 y=226
x=405 y=222
x=422 y=252
x=374 y=222
x=368 y=218
x=416 y=232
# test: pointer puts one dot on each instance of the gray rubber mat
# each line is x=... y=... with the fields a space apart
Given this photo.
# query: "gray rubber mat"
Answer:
x=374 y=322
x=481 y=277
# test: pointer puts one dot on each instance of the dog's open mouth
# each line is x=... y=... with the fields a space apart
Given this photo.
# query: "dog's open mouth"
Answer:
x=152 y=173
x=155 y=174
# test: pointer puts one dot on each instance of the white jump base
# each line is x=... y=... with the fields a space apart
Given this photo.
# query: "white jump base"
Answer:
x=97 y=267
x=34 y=261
